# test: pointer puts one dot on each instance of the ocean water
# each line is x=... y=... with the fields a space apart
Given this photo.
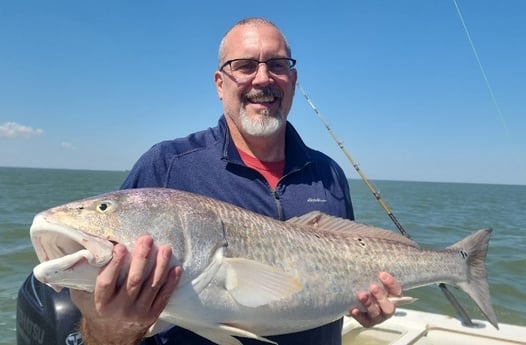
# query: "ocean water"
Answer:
x=23 y=193
x=435 y=214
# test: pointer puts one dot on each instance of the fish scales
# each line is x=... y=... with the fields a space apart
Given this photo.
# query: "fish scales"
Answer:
x=245 y=274
x=348 y=257
x=270 y=241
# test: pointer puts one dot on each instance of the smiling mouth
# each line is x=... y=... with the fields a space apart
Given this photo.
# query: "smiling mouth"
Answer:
x=264 y=96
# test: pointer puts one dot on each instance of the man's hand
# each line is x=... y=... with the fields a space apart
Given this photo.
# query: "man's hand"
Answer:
x=122 y=314
x=376 y=301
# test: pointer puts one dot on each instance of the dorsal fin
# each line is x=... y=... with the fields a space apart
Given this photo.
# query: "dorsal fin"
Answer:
x=322 y=221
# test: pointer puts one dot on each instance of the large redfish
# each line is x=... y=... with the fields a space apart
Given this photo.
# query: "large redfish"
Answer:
x=245 y=274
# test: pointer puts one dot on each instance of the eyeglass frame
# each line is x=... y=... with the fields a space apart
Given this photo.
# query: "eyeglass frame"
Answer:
x=292 y=63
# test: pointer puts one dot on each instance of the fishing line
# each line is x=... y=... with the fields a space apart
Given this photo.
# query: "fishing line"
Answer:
x=483 y=72
x=466 y=320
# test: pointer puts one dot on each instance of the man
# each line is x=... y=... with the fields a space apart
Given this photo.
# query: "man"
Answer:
x=255 y=159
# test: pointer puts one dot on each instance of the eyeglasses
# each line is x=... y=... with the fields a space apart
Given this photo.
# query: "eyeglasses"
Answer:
x=244 y=69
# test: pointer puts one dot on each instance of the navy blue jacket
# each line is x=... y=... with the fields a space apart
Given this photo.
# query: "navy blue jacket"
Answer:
x=208 y=163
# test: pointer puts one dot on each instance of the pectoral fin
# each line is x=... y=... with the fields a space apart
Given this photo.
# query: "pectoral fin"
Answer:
x=253 y=284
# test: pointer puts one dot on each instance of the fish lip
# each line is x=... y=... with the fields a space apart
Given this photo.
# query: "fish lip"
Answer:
x=53 y=241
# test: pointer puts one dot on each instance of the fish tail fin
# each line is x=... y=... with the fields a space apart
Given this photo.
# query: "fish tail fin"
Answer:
x=474 y=249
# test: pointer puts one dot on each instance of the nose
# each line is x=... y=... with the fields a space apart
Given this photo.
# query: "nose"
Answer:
x=262 y=76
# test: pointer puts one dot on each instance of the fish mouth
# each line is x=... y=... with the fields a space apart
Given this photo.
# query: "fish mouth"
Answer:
x=69 y=257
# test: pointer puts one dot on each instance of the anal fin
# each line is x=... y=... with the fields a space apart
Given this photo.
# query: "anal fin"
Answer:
x=398 y=301
x=223 y=334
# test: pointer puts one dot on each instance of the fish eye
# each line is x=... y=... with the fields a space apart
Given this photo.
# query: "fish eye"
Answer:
x=104 y=206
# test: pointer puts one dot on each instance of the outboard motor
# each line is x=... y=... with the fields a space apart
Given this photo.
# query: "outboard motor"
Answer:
x=45 y=317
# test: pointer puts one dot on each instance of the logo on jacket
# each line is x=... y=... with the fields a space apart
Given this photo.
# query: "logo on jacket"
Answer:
x=316 y=200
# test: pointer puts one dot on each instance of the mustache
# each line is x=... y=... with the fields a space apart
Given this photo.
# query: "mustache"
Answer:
x=266 y=92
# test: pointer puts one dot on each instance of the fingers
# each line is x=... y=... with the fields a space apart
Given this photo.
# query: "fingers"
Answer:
x=376 y=302
x=381 y=306
x=142 y=283
x=142 y=260
x=161 y=281
x=106 y=283
x=372 y=313
x=392 y=287
x=131 y=291
x=164 y=257
x=161 y=301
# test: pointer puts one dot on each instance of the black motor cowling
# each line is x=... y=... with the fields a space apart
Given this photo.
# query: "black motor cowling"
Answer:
x=45 y=317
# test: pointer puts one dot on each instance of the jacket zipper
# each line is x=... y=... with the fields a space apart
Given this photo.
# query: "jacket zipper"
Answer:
x=276 y=195
x=279 y=207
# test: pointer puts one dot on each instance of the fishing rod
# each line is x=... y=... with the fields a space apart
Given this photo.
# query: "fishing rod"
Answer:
x=466 y=320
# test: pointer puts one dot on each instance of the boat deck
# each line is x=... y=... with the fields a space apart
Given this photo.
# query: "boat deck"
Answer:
x=422 y=328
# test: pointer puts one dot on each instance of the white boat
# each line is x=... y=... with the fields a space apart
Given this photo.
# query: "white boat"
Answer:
x=410 y=327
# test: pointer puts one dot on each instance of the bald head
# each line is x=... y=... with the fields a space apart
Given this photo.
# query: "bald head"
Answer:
x=254 y=22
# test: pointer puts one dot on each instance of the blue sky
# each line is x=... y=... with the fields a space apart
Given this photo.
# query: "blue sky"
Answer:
x=94 y=84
